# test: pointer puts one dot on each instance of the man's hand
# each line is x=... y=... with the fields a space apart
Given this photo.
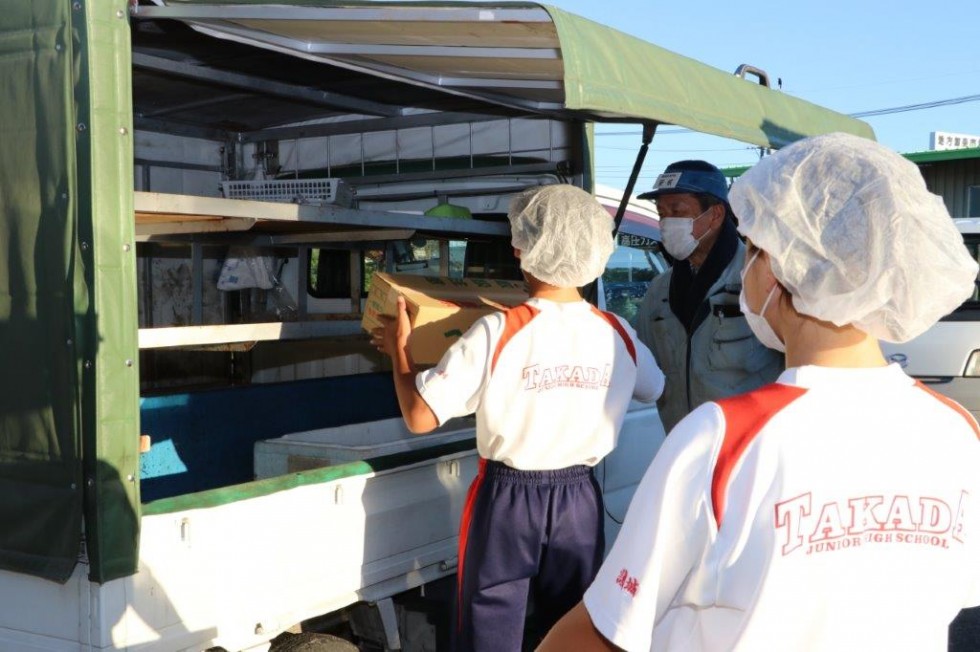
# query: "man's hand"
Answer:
x=392 y=338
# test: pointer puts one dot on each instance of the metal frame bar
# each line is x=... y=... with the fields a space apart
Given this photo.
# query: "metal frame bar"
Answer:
x=434 y=82
x=357 y=49
x=379 y=235
x=302 y=280
x=197 y=283
x=174 y=128
x=178 y=165
x=376 y=69
x=168 y=204
x=354 y=261
x=197 y=104
x=366 y=194
x=145 y=286
x=444 y=258
x=261 y=86
x=649 y=130
x=371 y=125
x=368 y=238
x=488 y=82
x=509 y=170
x=279 y=12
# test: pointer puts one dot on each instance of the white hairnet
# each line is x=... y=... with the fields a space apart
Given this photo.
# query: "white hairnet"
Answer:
x=564 y=234
x=854 y=235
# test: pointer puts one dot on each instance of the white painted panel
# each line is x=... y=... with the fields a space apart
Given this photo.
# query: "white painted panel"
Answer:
x=238 y=574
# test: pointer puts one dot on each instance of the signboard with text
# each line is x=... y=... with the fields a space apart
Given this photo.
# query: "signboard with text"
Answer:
x=943 y=140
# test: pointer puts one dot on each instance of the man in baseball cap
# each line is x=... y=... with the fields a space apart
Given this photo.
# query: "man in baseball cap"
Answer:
x=690 y=316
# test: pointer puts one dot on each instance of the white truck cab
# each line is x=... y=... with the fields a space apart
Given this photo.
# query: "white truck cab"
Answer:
x=947 y=356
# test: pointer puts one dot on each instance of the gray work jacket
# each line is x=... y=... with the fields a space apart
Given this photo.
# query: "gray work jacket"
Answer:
x=721 y=358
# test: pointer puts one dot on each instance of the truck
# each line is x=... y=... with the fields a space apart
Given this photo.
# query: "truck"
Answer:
x=198 y=447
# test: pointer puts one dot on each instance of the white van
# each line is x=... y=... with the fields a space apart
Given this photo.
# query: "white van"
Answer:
x=947 y=356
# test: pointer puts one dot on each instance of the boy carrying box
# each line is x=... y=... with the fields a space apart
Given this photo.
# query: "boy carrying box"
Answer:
x=550 y=382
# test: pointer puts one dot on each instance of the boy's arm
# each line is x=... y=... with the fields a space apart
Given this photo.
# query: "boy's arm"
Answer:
x=649 y=378
x=393 y=340
x=667 y=527
x=576 y=632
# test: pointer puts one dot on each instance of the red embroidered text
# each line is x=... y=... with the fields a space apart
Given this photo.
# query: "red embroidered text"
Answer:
x=628 y=583
x=861 y=520
x=542 y=378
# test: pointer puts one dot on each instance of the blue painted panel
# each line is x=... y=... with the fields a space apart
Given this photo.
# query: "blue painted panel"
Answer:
x=203 y=440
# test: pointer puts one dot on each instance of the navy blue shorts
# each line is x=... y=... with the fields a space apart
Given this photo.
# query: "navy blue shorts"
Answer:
x=524 y=532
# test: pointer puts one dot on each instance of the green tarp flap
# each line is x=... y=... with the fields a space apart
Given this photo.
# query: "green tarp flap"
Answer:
x=40 y=472
x=608 y=72
x=57 y=273
x=108 y=252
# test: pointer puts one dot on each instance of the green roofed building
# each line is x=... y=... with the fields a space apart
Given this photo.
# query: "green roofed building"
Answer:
x=952 y=174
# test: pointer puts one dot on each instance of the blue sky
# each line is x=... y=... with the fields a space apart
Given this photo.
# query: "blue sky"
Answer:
x=848 y=55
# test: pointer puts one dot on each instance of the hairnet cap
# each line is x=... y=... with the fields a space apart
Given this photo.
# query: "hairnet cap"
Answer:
x=695 y=177
x=564 y=234
x=854 y=235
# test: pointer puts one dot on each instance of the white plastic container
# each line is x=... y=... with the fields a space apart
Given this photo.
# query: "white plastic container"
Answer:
x=312 y=449
x=294 y=191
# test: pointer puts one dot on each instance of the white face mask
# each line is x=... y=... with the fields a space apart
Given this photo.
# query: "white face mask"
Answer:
x=757 y=322
x=678 y=235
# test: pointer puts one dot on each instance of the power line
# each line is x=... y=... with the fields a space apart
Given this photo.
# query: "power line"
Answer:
x=887 y=82
x=633 y=149
x=660 y=132
x=916 y=107
x=905 y=108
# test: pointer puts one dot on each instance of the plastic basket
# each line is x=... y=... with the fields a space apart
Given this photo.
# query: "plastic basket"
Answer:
x=292 y=191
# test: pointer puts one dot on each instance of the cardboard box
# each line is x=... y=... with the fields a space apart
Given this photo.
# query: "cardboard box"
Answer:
x=441 y=309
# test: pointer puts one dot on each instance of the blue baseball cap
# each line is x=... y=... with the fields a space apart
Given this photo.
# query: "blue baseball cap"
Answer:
x=692 y=177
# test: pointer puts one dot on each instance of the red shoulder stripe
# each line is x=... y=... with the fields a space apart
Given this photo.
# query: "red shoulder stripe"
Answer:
x=951 y=404
x=745 y=415
x=515 y=318
x=464 y=533
x=618 y=327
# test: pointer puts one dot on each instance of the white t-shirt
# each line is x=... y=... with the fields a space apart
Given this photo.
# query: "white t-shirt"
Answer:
x=848 y=501
x=550 y=383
